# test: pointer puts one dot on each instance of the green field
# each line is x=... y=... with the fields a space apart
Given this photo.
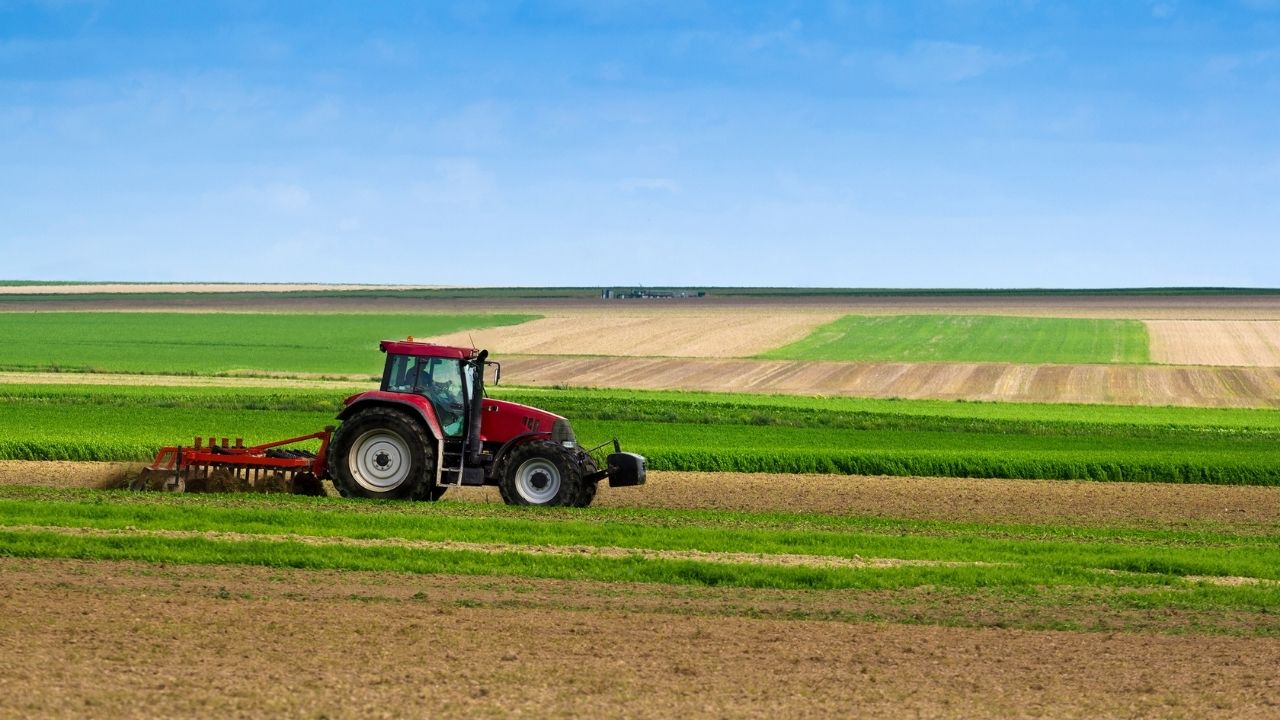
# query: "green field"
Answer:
x=694 y=431
x=972 y=338
x=210 y=343
x=1165 y=572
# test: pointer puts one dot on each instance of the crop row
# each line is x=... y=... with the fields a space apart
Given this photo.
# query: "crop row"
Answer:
x=103 y=426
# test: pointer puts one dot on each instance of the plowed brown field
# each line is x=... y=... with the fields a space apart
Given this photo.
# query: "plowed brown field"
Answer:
x=956 y=499
x=112 y=639
x=1253 y=343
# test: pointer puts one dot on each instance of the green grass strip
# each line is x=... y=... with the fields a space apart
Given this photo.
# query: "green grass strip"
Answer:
x=972 y=338
x=1245 y=557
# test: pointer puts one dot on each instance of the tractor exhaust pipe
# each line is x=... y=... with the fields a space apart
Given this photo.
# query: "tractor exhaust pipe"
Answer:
x=477 y=405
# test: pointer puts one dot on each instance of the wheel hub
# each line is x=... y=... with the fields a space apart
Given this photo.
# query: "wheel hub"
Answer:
x=379 y=461
x=538 y=481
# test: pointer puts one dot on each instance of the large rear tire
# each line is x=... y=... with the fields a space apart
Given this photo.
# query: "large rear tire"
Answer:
x=541 y=473
x=383 y=453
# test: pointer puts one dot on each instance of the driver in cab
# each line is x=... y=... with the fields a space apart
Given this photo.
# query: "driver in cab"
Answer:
x=438 y=382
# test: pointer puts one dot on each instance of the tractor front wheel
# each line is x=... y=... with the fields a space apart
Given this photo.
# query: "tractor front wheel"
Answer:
x=541 y=473
x=383 y=453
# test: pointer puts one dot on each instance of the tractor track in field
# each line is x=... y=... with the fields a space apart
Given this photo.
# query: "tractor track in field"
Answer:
x=720 y=558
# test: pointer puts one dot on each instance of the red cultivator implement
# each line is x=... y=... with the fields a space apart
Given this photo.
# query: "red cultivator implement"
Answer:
x=228 y=467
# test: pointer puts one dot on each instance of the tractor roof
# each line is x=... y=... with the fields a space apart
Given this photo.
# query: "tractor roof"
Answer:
x=423 y=349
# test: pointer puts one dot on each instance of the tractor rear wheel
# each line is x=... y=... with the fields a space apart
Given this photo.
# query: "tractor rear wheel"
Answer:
x=383 y=453
x=541 y=473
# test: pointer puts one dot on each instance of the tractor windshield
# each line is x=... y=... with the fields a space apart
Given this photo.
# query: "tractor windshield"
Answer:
x=437 y=379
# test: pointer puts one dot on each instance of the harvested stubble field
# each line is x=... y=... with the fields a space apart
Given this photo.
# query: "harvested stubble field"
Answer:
x=1253 y=343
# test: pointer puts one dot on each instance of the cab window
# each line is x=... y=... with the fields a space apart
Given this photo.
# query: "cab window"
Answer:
x=437 y=379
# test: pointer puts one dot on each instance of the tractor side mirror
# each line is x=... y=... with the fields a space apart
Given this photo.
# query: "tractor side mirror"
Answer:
x=497 y=372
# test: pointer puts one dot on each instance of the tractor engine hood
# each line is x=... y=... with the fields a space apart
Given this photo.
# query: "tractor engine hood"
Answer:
x=501 y=420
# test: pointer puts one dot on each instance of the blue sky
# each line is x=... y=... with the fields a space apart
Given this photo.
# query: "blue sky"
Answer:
x=862 y=144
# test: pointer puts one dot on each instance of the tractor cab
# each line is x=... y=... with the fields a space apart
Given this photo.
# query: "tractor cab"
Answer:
x=450 y=378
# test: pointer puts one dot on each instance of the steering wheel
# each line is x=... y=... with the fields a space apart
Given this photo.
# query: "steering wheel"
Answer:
x=444 y=398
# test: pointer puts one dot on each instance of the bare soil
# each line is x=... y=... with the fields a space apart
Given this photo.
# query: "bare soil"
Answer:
x=126 y=640
x=1253 y=343
x=66 y=473
x=937 y=498
x=955 y=499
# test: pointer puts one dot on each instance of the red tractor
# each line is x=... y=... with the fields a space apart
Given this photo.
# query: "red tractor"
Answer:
x=429 y=427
